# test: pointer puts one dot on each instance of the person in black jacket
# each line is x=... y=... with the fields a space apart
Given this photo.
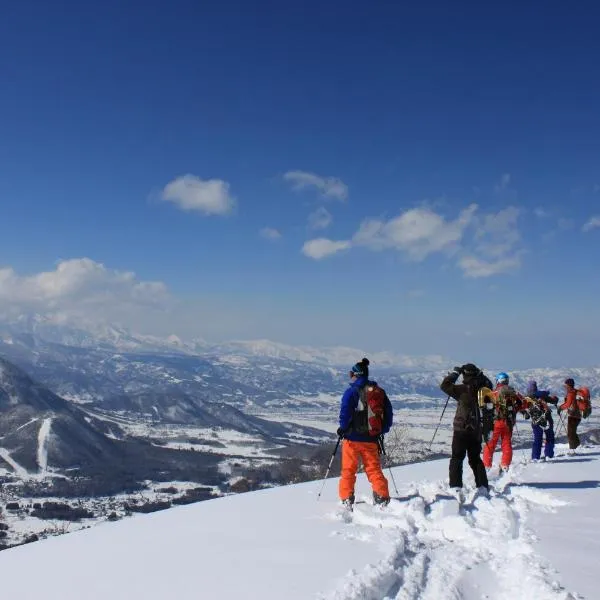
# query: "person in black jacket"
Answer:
x=467 y=436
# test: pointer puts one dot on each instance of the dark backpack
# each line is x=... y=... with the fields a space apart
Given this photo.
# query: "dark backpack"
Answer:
x=538 y=415
x=369 y=416
x=506 y=404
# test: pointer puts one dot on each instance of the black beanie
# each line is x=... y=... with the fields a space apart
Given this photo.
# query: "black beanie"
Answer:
x=570 y=382
x=361 y=369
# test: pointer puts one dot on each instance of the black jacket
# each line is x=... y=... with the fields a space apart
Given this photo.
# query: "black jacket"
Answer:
x=468 y=415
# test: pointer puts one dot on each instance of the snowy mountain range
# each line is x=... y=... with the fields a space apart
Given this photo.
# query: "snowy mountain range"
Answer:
x=119 y=339
x=38 y=429
x=45 y=436
x=119 y=366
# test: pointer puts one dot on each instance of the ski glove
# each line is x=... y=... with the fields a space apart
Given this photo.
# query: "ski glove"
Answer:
x=458 y=370
x=526 y=414
x=341 y=432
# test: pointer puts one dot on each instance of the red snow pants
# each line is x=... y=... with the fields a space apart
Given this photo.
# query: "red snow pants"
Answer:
x=368 y=452
x=503 y=433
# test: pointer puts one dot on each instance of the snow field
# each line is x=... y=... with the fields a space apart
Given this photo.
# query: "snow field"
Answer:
x=533 y=538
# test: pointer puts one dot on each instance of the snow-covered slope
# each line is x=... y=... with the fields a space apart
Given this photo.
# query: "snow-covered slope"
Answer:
x=534 y=538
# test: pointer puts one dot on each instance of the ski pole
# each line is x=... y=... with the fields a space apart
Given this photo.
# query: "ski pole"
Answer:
x=560 y=424
x=382 y=448
x=329 y=467
x=438 y=425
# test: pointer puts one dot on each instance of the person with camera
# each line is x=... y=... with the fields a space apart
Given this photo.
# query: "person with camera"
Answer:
x=467 y=436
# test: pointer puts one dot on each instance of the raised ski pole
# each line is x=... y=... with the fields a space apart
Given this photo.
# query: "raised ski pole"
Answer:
x=329 y=466
x=382 y=449
x=438 y=425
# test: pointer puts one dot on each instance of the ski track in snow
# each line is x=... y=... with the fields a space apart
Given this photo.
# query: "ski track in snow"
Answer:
x=438 y=548
x=19 y=470
x=26 y=424
x=42 y=449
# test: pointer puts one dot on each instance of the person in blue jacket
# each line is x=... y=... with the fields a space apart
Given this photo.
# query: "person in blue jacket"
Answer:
x=541 y=420
x=358 y=444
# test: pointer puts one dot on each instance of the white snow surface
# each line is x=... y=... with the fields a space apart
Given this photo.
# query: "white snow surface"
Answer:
x=42 y=450
x=535 y=537
x=18 y=469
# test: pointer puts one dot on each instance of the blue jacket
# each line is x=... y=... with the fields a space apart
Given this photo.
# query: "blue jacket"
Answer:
x=349 y=404
x=534 y=392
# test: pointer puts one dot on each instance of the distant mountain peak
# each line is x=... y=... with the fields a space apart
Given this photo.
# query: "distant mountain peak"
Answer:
x=120 y=339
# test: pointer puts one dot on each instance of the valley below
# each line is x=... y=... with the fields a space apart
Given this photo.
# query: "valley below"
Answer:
x=90 y=432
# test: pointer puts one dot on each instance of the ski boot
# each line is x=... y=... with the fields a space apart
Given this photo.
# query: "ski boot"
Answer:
x=380 y=500
x=348 y=503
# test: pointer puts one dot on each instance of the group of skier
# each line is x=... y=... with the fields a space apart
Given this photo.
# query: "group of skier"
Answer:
x=485 y=415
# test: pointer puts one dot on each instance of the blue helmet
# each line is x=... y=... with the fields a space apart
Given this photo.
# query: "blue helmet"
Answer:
x=502 y=377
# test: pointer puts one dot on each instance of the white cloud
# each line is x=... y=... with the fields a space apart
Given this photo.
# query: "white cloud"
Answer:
x=330 y=187
x=496 y=248
x=593 y=223
x=322 y=247
x=419 y=232
x=268 y=233
x=190 y=193
x=541 y=213
x=79 y=287
x=493 y=244
x=320 y=218
x=476 y=267
x=503 y=183
x=498 y=233
x=415 y=293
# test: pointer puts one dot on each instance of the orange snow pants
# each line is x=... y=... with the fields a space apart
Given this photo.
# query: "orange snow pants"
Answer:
x=503 y=433
x=369 y=454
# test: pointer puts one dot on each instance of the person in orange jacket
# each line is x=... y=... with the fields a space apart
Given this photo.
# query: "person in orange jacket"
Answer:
x=507 y=402
x=356 y=445
x=573 y=412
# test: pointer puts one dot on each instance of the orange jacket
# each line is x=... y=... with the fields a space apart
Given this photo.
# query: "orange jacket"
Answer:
x=570 y=404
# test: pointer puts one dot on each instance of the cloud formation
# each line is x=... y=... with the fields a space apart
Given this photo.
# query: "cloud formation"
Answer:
x=190 y=193
x=496 y=247
x=592 y=223
x=418 y=232
x=481 y=244
x=329 y=187
x=322 y=247
x=268 y=233
x=474 y=267
x=79 y=287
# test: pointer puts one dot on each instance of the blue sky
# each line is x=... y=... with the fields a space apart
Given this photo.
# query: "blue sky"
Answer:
x=446 y=159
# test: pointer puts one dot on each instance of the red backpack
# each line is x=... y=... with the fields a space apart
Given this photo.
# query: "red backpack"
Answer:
x=584 y=402
x=369 y=416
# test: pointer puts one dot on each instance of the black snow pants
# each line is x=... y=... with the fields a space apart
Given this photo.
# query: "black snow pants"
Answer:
x=572 y=424
x=463 y=443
